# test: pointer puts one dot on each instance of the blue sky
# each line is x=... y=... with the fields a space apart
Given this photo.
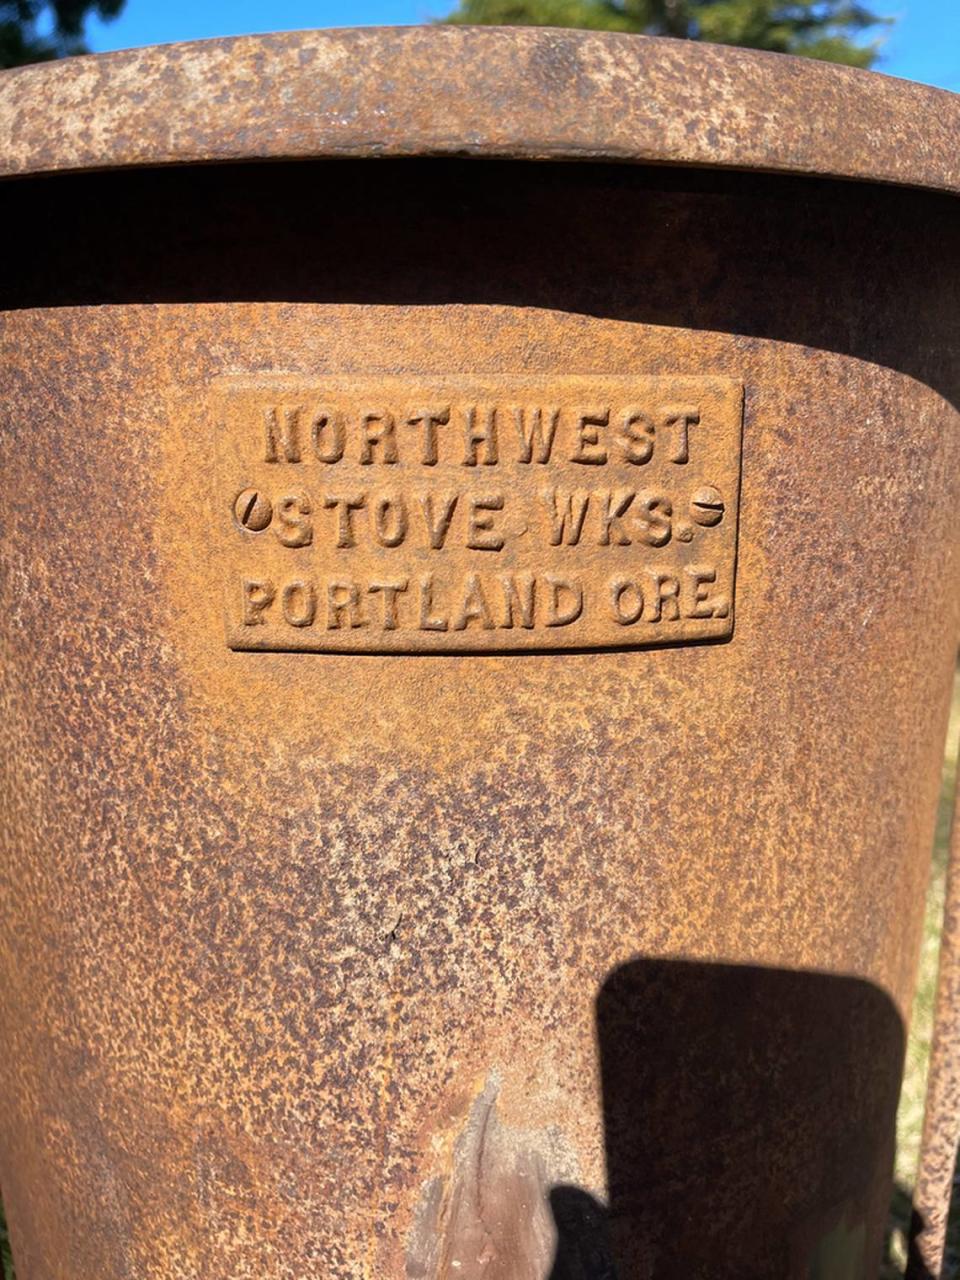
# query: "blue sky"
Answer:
x=923 y=45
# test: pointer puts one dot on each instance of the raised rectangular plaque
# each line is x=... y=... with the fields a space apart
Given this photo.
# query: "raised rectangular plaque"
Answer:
x=442 y=513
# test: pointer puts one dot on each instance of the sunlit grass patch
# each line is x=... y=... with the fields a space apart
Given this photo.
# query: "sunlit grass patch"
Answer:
x=910 y=1114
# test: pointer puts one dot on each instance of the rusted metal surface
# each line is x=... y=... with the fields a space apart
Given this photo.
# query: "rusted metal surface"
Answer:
x=941 y=1129
x=525 y=966
x=525 y=93
x=491 y=513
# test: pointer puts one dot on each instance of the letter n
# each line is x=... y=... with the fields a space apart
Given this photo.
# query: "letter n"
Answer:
x=282 y=437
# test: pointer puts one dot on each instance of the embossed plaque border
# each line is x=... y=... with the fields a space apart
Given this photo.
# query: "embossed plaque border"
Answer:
x=439 y=513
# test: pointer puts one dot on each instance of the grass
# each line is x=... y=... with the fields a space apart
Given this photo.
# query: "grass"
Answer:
x=6 y=1260
x=910 y=1113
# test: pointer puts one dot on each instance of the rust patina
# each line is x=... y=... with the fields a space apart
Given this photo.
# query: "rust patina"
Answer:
x=557 y=918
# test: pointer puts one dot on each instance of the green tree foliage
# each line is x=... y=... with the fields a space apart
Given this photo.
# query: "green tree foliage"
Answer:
x=832 y=30
x=40 y=30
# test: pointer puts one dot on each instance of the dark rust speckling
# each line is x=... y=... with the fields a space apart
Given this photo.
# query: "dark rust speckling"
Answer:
x=362 y=965
x=525 y=93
